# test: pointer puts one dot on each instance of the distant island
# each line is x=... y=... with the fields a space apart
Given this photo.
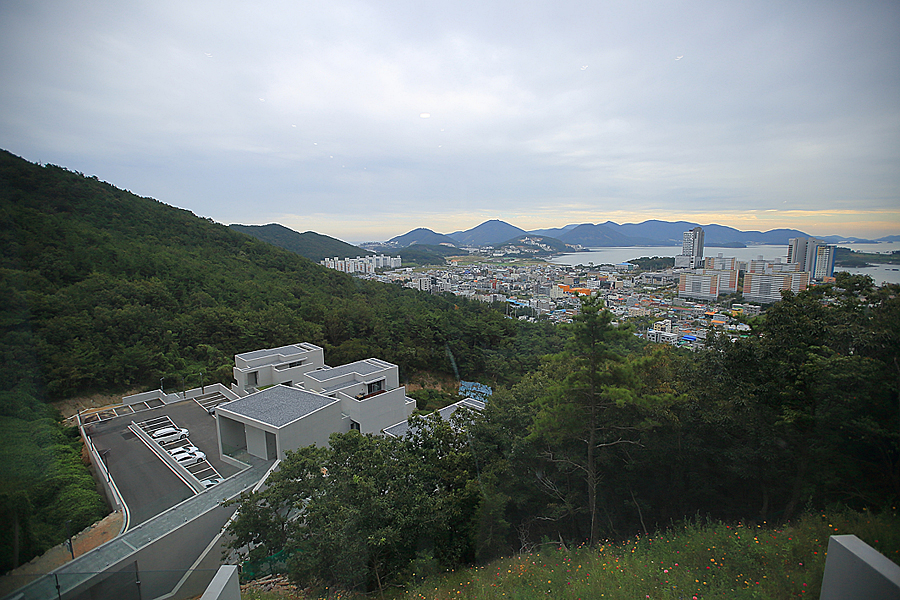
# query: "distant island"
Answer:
x=845 y=257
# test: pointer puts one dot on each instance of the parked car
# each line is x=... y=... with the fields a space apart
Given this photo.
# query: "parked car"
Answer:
x=169 y=434
x=189 y=458
x=208 y=483
x=180 y=449
x=179 y=455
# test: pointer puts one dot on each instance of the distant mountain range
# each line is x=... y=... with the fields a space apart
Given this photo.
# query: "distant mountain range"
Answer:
x=432 y=246
x=648 y=233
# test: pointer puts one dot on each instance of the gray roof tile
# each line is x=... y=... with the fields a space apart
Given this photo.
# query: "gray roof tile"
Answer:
x=278 y=405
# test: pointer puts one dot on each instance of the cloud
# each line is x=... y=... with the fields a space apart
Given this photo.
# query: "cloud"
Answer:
x=772 y=106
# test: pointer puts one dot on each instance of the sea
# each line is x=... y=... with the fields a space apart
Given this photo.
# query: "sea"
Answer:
x=880 y=273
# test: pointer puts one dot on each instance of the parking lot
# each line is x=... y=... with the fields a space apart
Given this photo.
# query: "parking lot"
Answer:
x=148 y=484
x=179 y=445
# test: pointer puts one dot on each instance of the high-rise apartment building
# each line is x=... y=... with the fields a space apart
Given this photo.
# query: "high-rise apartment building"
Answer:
x=699 y=286
x=812 y=255
x=824 y=265
x=766 y=288
x=691 y=256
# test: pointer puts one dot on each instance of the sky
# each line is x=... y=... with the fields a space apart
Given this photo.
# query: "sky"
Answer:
x=364 y=119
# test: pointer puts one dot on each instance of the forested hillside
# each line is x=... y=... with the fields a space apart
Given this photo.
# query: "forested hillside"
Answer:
x=607 y=441
x=107 y=291
x=310 y=244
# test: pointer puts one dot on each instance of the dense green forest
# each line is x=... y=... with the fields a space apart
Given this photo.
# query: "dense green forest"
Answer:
x=312 y=245
x=607 y=440
x=425 y=254
x=107 y=291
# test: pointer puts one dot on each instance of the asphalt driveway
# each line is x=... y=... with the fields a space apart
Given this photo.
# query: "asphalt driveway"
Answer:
x=146 y=483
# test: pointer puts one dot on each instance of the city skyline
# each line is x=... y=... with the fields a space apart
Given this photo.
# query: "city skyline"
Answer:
x=363 y=120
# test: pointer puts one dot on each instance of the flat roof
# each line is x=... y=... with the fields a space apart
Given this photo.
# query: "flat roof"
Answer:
x=365 y=367
x=278 y=405
x=289 y=349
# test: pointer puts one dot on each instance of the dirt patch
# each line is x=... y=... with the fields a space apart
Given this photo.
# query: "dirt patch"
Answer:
x=70 y=406
x=432 y=381
x=97 y=534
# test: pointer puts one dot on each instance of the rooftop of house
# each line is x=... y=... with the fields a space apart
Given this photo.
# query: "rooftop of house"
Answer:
x=399 y=430
x=282 y=351
x=277 y=406
x=363 y=368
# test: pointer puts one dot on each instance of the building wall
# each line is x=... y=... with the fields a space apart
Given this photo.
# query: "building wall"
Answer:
x=698 y=286
x=378 y=412
x=353 y=383
x=824 y=261
x=256 y=440
x=720 y=263
x=727 y=281
x=274 y=368
x=314 y=428
x=764 y=288
x=231 y=433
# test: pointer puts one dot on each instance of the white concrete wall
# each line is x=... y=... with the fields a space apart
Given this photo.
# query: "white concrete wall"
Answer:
x=314 y=428
x=354 y=383
x=272 y=368
x=380 y=411
x=225 y=585
x=143 y=397
x=854 y=570
x=256 y=441
x=230 y=433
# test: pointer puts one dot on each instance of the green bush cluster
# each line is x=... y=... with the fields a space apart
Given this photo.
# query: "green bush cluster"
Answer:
x=44 y=485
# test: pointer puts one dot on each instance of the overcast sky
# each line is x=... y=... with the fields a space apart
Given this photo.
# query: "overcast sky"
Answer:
x=365 y=119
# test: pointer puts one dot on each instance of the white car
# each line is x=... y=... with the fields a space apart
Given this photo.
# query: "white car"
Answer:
x=180 y=449
x=208 y=483
x=169 y=434
x=180 y=455
x=190 y=458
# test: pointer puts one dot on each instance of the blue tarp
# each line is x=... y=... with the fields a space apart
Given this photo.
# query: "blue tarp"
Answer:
x=473 y=389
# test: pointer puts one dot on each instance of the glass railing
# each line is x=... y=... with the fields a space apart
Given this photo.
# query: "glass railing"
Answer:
x=128 y=582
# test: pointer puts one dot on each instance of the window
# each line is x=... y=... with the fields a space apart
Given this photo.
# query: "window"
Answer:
x=253 y=378
x=376 y=386
x=354 y=426
x=295 y=364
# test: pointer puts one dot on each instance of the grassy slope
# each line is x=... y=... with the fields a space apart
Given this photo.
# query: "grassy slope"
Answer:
x=694 y=561
x=710 y=560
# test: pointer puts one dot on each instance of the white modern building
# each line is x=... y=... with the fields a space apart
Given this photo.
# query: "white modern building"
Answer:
x=306 y=401
x=261 y=368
